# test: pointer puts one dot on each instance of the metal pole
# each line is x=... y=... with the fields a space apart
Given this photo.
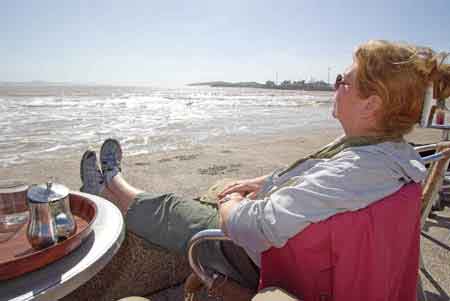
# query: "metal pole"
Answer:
x=329 y=69
x=328 y=75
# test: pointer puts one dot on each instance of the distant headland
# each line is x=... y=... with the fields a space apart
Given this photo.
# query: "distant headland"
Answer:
x=284 y=85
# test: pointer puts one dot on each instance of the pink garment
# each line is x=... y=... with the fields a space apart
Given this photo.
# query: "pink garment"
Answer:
x=368 y=254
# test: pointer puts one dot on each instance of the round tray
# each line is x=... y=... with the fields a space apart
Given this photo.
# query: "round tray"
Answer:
x=17 y=257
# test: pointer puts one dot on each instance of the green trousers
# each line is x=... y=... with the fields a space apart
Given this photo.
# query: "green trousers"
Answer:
x=169 y=222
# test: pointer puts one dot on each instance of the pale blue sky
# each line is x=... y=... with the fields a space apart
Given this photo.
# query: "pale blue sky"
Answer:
x=176 y=42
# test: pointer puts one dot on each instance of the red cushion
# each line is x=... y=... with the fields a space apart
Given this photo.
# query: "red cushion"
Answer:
x=368 y=254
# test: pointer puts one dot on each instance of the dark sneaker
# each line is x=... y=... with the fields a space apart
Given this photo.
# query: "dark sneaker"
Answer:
x=90 y=174
x=110 y=158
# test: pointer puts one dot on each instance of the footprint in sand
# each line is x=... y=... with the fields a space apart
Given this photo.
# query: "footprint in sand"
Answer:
x=179 y=158
x=219 y=169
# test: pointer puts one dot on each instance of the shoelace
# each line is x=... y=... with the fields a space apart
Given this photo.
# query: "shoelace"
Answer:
x=109 y=161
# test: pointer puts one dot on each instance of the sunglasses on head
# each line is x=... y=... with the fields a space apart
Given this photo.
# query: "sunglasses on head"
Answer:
x=340 y=81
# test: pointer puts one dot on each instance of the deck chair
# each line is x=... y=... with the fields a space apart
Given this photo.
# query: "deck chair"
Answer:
x=270 y=287
x=345 y=257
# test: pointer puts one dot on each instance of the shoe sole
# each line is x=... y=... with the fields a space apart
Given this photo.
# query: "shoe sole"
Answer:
x=83 y=158
x=116 y=146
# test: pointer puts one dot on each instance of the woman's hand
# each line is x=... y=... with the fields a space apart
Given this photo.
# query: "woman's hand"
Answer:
x=248 y=188
x=226 y=205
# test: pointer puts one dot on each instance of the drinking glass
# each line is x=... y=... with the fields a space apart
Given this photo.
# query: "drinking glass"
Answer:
x=13 y=208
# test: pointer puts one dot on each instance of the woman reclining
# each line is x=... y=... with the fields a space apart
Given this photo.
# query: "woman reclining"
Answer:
x=377 y=101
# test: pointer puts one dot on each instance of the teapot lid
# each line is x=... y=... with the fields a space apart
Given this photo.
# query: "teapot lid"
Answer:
x=46 y=193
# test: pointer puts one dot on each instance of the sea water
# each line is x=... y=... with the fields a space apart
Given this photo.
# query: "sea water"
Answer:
x=147 y=120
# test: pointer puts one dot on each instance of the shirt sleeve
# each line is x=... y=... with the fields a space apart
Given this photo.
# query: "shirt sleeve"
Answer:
x=329 y=187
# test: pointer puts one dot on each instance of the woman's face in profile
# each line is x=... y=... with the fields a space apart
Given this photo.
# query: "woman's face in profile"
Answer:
x=347 y=99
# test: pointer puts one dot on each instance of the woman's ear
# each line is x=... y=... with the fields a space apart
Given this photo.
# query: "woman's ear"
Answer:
x=372 y=106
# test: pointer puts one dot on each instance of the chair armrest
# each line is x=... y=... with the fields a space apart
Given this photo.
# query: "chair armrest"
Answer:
x=426 y=147
x=267 y=294
x=436 y=156
x=194 y=262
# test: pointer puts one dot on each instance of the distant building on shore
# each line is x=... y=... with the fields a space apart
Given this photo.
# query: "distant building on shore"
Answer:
x=284 y=85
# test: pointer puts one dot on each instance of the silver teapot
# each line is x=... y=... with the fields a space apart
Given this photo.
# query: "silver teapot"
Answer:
x=50 y=217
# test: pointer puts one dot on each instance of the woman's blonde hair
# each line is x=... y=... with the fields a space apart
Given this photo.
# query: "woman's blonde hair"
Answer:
x=400 y=74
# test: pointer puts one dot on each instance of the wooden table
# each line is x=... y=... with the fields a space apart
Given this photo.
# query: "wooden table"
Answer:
x=61 y=277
